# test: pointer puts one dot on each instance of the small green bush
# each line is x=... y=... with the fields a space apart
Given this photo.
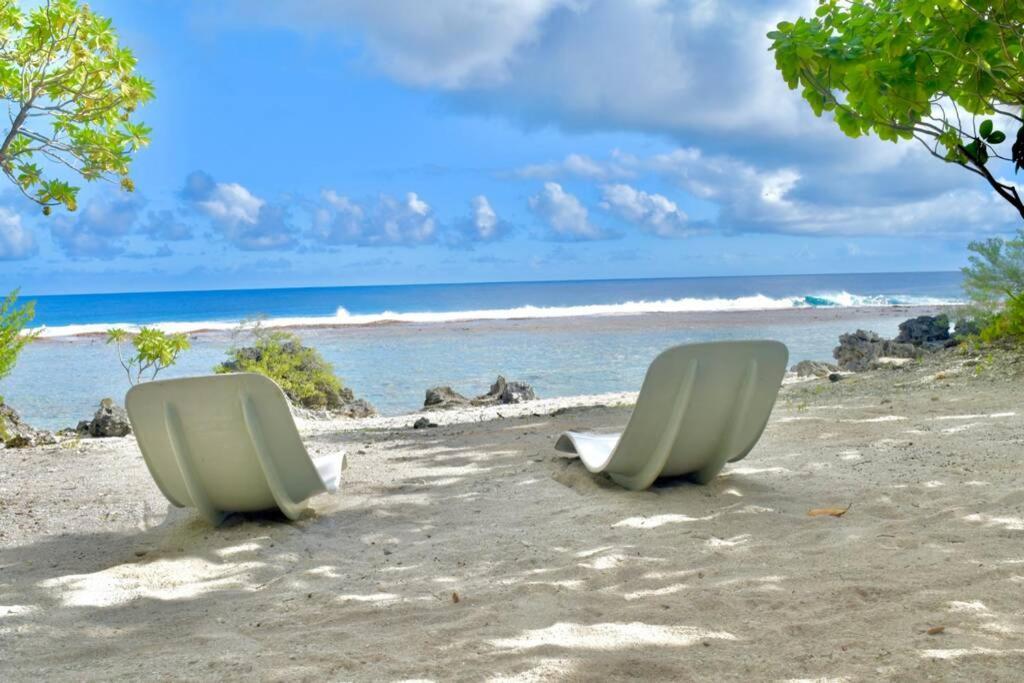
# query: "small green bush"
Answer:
x=306 y=378
x=13 y=338
x=995 y=282
x=155 y=350
x=1007 y=325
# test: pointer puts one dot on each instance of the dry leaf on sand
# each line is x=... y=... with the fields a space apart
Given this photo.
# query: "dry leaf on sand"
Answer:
x=828 y=512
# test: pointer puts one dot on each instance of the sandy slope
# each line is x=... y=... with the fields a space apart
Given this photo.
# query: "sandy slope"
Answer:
x=560 y=575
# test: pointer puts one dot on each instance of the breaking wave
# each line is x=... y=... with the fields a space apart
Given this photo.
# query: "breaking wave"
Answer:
x=342 y=317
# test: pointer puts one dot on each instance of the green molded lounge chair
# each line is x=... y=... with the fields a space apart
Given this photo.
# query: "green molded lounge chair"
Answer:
x=227 y=443
x=700 y=407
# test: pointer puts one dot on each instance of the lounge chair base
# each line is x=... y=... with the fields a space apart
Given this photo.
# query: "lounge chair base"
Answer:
x=701 y=406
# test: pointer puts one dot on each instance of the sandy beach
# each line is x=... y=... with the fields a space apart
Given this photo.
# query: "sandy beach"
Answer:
x=474 y=552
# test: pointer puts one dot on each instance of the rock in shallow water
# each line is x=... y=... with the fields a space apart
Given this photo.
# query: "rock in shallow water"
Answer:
x=443 y=397
x=503 y=391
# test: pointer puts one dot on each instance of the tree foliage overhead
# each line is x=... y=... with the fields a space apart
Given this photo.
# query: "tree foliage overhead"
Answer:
x=931 y=70
x=70 y=91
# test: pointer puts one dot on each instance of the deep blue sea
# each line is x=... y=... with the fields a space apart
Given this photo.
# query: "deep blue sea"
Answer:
x=94 y=312
x=437 y=335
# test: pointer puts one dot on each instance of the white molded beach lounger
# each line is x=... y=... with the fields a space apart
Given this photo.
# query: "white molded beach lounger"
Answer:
x=227 y=443
x=700 y=406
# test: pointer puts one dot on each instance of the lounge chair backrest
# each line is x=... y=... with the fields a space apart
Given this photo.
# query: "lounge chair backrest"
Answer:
x=700 y=406
x=222 y=443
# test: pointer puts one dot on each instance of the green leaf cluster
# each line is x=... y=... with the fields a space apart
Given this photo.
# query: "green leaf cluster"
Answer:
x=71 y=90
x=301 y=372
x=154 y=351
x=930 y=70
x=995 y=282
x=13 y=337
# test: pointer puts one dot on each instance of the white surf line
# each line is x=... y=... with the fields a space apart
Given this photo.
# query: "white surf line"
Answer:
x=342 y=317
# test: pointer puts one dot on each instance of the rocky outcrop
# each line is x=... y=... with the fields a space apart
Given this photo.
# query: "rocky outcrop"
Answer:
x=350 y=406
x=929 y=331
x=441 y=397
x=501 y=392
x=16 y=434
x=859 y=350
x=504 y=392
x=109 y=420
x=864 y=350
x=813 y=368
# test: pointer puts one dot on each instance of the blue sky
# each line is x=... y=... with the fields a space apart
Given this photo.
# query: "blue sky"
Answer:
x=378 y=141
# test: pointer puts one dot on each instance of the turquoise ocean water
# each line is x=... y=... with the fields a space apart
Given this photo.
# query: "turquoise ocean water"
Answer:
x=390 y=343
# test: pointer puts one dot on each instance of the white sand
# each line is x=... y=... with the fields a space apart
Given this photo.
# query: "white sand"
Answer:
x=560 y=575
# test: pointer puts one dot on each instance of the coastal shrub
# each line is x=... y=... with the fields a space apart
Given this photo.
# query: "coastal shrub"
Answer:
x=306 y=378
x=994 y=280
x=13 y=338
x=155 y=350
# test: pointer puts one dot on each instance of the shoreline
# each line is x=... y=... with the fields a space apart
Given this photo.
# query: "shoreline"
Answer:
x=391 y=365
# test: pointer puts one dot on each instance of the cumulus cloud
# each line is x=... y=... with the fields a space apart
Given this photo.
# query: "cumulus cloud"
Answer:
x=97 y=230
x=448 y=44
x=756 y=199
x=16 y=242
x=589 y=64
x=482 y=225
x=166 y=226
x=563 y=213
x=697 y=71
x=390 y=222
x=485 y=220
x=245 y=220
x=653 y=212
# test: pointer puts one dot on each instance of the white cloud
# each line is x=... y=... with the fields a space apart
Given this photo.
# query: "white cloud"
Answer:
x=563 y=212
x=752 y=199
x=639 y=64
x=405 y=222
x=448 y=44
x=246 y=221
x=15 y=241
x=340 y=221
x=485 y=220
x=99 y=228
x=231 y=203
x=392 y=221
x=653 y=212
